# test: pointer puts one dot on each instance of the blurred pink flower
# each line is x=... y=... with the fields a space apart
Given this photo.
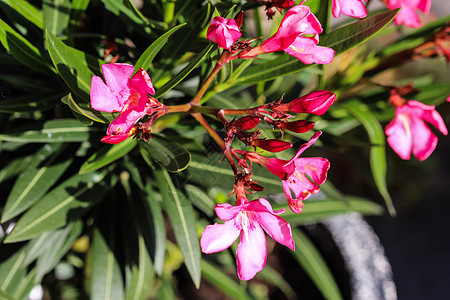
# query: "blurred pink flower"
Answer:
x=407 y=14
x=351 y=8
x=224 y=32
x=122 y=94
x=246 y=219
x=298 y=21
x=408 y=131
x=293 y=173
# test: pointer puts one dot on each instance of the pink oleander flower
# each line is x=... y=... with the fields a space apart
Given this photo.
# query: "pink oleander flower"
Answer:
x=122 y=94
x=300 y=176
x=408 y=131
x=246 y=219
x=224 y=32
x=351 y=8
x=297 y=22
x=316 y=103
x=407 y=14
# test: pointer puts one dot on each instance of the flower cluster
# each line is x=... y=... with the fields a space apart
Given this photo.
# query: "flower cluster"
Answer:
x=298 y=35
x=129 y=94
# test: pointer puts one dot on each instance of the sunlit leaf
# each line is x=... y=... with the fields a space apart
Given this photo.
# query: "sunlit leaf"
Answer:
x=27 y=10
x=23 y=50
x=56 y=15
x=64 y=203
x=183 y=220
x=107 y=154
x=55 y=131
x=48 y=164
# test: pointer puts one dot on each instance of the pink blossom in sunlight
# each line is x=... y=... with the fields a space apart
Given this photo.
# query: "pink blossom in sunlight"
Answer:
x=316 y=103
x=120 y=93
x=300 y=176
x=351 y=8
x=224 y=32
x=407 y=14
x=408 y=132
x=247 y=219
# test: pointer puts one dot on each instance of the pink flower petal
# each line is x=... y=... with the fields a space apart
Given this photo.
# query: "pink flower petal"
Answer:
x=400 y=136
x=306 y=50
x=115 y=139
x=141 y=81
x=336 y=8
x=424 y=140
x=428 y=114
x=354 y=8
x=251 y=252
x=226 y=211
x=102 y=98
x=276 y=227
x=117 y=76
x=219 y=237
x=223 y=32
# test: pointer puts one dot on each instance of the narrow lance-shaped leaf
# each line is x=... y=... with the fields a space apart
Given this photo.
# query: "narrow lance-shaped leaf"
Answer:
x=72 y=65
x=149 y=54
x=106 y=278
x=54 y=131
x=341 y=40
x=183 y=220
x=107 y=154
x=23 y=50
x=64 y=203
x=169 y=155
x=183 y=73
x=312 y=262
x=377 y=150
x=28 y=11
x=48 y=164
x=56 y=15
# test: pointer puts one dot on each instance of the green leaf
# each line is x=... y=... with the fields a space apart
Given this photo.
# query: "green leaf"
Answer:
x=27 y=10
x=312 y=262
x=64 y=203
x=218 y=278
x=72 y=65
x=169 y=155
x=85 y=111
x=183 y=220
x=107 y=154
x=200 y=199
x=76 y=13
x=316 y=211
x=183 y=73
x=149 y=54
x=54 y=131
x=14 y=168
x=106 y=279
x=47 y=166
x=340 y=40
x=30 y=103
x=271 y=276
x=155 y=214
x=12 y=270
x=56 y=250
x=56 y=15
x=377 y=150
x=23 y=50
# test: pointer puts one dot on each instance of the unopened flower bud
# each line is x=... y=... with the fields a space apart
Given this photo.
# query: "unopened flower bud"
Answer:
x=245 y=123
x=316 y=103
x=271 y=145
x=239 y=18
x=255 y=187
x=224 y=32
x=299 y=126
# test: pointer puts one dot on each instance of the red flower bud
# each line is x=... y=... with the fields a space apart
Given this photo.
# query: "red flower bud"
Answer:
x=316 y=103
x=299 y=126
x=245 y=123
x=239 y=18
x=283 y=3
x=255 y=187
x=272 y=145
